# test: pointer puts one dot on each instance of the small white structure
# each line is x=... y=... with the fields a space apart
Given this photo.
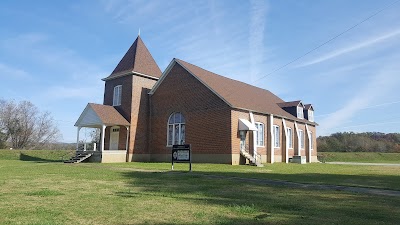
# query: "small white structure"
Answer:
x=105 y=117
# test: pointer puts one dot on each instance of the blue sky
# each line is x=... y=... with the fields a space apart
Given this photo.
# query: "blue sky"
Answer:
x=54 y=53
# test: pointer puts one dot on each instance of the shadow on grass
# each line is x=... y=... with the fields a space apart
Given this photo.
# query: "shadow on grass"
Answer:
x=24 y=157
x=255 y=203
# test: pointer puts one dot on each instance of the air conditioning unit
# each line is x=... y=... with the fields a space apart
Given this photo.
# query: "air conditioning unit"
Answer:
x=299 y=159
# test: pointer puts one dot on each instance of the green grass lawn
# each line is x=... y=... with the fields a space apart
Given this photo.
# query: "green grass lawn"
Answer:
x=372 y=157
x=43 y=192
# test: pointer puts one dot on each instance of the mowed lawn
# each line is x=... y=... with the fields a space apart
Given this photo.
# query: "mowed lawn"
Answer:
x=42 y=192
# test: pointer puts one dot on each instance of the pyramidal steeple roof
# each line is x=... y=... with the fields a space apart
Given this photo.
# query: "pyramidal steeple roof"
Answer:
x=137 y=59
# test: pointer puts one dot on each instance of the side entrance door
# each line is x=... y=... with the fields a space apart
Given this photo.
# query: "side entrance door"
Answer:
x=114 y=138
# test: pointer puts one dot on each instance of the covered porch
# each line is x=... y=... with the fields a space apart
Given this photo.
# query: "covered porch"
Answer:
x=110 y=141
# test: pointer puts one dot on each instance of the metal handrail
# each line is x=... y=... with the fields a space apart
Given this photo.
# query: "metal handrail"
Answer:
x=258 y=156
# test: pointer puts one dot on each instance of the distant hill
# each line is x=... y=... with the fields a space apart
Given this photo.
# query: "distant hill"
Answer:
x=359 y=142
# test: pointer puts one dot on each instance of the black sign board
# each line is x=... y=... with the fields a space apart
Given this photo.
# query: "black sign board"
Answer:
x=181 y=153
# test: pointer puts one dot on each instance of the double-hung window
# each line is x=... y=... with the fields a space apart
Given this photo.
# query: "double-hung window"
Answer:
x=300 y=113
x=176 y=129
x=301 y=137
x=117 y=95
x=260 y=134
x=289 y=137
x=311 y=115
x=276 y=136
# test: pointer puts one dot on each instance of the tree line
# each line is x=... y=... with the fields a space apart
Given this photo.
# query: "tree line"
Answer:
x=359 y=142
x=24 y=126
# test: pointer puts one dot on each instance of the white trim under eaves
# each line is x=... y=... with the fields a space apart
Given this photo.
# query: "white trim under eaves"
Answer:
x=129 y=73
x=118 y=75
x=279 y=116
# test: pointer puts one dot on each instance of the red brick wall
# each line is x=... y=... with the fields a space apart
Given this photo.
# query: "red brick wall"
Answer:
x=208 y=126
x=139 y=130
x=125 y=107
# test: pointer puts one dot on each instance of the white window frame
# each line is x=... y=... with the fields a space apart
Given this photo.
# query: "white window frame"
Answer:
x=311 y=115
x=300 y=113
x=301 y=137
x=311 y=141
x=277 y=144
x=117 y=95
x=260 y=133
x=290 y=137
x=180 y=126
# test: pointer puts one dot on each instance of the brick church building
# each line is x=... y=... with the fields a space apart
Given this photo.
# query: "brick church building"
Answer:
x=146 y=111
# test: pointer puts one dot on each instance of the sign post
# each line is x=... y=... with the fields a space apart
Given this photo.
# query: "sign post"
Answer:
x=182 y=153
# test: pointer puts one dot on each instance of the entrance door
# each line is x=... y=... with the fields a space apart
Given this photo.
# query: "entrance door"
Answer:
x=114 y=138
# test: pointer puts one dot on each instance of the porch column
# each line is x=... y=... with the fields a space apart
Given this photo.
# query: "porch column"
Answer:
x=127 y=137
x=77 y=138
x=103 y=134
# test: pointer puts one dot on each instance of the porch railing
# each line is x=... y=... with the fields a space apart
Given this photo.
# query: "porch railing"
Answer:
x=88 y=147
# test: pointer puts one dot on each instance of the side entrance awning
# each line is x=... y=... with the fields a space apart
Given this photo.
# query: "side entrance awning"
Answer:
x=246 y=125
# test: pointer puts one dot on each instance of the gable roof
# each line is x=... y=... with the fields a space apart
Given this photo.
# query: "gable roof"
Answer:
x=96 y=114
x=136 y=60
x=308 y=107
x=290 y=104
x=235 y=93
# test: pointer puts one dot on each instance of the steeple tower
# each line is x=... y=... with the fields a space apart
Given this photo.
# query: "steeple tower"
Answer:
x=137 y=60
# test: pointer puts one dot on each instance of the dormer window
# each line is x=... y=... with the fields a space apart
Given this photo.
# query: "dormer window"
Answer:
x=311 y=115
x=300 y=113
x=117 y=95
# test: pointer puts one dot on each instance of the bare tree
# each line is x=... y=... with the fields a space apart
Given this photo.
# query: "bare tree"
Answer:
x=25 y=126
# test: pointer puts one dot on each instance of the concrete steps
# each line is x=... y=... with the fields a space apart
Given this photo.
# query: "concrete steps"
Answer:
x=252 y=160
x=79 y=157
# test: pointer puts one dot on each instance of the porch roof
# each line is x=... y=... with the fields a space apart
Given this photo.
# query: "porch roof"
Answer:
x=96 y=115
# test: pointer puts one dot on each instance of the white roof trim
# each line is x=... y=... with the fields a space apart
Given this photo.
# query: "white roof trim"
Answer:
x=125 y=73
x=246 y=125
x=88 y=118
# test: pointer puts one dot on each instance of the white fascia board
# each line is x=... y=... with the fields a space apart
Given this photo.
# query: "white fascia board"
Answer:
x=125 y=73
x=77 y=123
x=129 y=73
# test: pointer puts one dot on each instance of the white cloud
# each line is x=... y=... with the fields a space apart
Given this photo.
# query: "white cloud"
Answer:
x=258 y=14
x=383 y=83
x=8 y=72
x=354 y=47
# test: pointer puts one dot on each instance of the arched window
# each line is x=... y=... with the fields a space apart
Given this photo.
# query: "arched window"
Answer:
x=176 y=129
